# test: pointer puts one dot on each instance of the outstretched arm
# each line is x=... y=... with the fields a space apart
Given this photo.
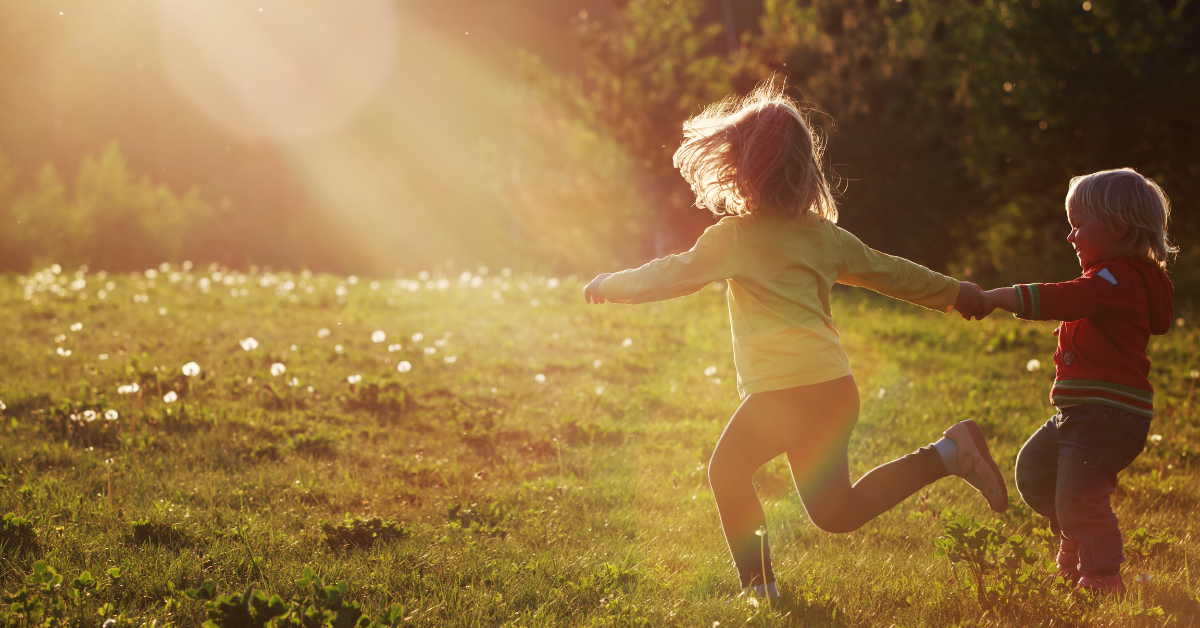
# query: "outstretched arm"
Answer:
x=1003 y=298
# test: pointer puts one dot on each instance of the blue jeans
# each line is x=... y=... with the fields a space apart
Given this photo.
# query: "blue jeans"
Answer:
x=1068 y=469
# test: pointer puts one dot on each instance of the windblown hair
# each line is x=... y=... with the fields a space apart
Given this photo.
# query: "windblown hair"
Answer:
x=755 y=155
x=1123 y=198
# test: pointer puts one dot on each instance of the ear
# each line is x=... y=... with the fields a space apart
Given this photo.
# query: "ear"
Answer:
x=1119 y=232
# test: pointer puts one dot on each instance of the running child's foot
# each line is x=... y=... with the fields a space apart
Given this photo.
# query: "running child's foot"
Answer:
x=975 y=464
x=1101 y=585
x=1068 y=560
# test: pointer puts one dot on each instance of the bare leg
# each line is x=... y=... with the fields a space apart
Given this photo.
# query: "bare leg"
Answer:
x=811 y=424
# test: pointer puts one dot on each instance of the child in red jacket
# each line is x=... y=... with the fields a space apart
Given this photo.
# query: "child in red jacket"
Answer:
x=1068 y=468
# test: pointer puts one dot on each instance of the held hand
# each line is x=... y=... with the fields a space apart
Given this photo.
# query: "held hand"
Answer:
x=591 y=292
x=972 y=302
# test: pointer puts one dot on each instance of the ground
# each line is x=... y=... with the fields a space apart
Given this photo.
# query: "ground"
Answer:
x=540 y=461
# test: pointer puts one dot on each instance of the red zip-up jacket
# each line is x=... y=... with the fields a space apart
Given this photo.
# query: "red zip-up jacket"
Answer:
x=1107 y=315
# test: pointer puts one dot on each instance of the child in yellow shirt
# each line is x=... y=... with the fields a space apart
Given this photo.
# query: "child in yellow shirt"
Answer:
x=756 y=162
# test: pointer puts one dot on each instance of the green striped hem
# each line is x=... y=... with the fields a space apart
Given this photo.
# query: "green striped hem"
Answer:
x=1144 y=396
x=1103 y=401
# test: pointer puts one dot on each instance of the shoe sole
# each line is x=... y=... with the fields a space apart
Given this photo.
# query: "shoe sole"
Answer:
x=981 y=445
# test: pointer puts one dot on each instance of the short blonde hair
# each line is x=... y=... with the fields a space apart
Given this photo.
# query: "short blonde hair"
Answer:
x=755 y=154
x=1122 y=198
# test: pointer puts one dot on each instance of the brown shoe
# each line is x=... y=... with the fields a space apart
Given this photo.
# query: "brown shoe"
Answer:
x=975 y=464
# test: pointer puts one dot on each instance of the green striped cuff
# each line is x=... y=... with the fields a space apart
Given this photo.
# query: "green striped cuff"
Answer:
x=1029 y=302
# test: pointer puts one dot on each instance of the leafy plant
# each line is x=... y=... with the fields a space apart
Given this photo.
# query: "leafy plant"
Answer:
x=41 y=601
x=17 y=533
x=158 y=533
x=488 y=519
x=319 y=605
x=1143 y=544
x=362 y=533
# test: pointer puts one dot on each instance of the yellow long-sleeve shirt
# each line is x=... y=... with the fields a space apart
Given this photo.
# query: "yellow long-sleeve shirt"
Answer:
x=780 y=271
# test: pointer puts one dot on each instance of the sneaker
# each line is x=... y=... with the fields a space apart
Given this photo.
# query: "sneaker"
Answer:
x=1101 y=585
x=1068 y=560
x=975 y=464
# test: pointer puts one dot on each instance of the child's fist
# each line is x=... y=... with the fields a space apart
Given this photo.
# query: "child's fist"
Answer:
x=591 y=292
x=972 y=302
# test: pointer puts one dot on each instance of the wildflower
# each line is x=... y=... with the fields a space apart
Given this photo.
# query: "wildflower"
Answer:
x=628 y=342
x=127 y=390
x=338 y=348
x=404 y=366
x=1157 y=438
x=378 y=336
x=170 y=397
x=76 y=327
x=89 y=415
x=110 y=415
x=539 y=378
x=418 y=337
x=430 y=351
x=249 y=344
x=599 y=390
x=294 y=347
x=277 y=369
x=322 y=333
x=394 y=348
x=710 y=371
x=191 y=369
x=880 y=394
x=596 y=364
x=3 y=407
x=1195 y=374
x=450 y=359
x=354 y=379
x=295 y=382
x=1033 y=365
x=66 y=353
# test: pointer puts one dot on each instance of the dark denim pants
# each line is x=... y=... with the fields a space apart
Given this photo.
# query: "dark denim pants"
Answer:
x=1068 y=469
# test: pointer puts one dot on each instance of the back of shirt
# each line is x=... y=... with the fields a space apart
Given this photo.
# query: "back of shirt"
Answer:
x=780 y=272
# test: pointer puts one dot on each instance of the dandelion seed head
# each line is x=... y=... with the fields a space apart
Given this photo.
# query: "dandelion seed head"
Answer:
x=539 y=378
x=76 y=327
x=3 y=407
x=552 y=283
x=418 y=337
x=1033 y=365
x=450 y=359
x=170 y=397
x=710 y=371
x=322 y=333
x=60 y=338
x=338 y=348
x=191 y=369
x=89 y=415
x=249 y=344
x=597 y=364
x=278 y=369
x=881 y=393
x=599 y=390
x=628 y=342
x=103 y=356
x=354 y=379
x=404 y=366
x=110 y=415
x=378 y=336
x=394 y=348
x=1156 y=438
x=430 y=350
x=1196 y=374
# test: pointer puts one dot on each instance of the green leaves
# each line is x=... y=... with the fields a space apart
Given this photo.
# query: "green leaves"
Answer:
x=362 y=533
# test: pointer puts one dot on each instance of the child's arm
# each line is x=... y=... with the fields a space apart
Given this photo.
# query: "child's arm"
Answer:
x=1003 y=298
x=972 y=302
x=715 y=256
x=899 y=278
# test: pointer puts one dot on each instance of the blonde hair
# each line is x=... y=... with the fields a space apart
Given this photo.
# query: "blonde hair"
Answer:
x=755 y=154
x=1122 y=198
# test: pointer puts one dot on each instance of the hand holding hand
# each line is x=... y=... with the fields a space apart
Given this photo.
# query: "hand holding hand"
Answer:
x=972 y=302
x=591 y=292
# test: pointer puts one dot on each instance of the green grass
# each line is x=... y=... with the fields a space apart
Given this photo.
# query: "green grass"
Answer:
x=579 y=500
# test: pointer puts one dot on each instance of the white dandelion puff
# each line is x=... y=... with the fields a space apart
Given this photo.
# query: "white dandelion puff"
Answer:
x=440 y=343
x=66 y=353
x=191 y=369
x=59 y=338
x=430 y=350
x=1156 y=438
x=354 y=379
x=404 y=366
x=170 y=397
x=881 y=393
x=1033 y=365
x=278 y=369
x=89 y=415
x=539 y=378
x=394 y=348
x=76 y=327
x=103 y=356
x=552 y=283
x=110 y=415
x=599 y=390
x=249 y=344
x=710 y=371
x=322 y=333
x=378 y=336
x=1196 y=374
x=338 y=348
x=418 y=337
x=3 y=407
x=628 y=342
x=450 y=359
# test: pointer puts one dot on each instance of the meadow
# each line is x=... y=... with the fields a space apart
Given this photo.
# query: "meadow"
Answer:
x=480 y=447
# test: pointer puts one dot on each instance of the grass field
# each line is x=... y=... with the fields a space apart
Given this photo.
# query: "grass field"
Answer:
x=544 y=461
